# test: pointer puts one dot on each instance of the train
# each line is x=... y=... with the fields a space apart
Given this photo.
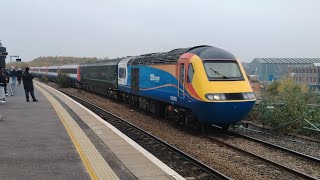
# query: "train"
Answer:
x=201 y=85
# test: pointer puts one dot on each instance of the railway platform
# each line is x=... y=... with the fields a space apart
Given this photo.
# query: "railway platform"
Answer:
x=57 y=138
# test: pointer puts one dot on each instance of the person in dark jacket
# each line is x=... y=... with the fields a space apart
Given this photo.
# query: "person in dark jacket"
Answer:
x=28 y=85
x=19 y=76
x=3 y=84
x=7 y=75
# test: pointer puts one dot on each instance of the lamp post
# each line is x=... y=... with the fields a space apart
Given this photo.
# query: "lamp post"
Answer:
x=17 y=57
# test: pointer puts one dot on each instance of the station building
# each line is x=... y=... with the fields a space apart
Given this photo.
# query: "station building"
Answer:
x=308 y=74
x=270 y=69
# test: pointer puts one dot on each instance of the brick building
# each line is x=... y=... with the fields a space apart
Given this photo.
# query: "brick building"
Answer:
x=269 y=69
x=308 y=74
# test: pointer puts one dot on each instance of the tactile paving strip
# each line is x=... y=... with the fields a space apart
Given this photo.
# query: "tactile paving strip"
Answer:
x=96 y=166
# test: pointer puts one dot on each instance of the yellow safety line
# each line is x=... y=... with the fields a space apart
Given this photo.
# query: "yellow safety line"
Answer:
x=84 y=158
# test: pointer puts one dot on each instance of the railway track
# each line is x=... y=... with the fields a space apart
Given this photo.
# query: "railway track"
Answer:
x=268 y=130
x=179 y=161
x=287 y=150
x=228 y=143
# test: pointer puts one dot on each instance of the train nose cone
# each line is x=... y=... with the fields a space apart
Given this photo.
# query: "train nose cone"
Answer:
x=224 y=112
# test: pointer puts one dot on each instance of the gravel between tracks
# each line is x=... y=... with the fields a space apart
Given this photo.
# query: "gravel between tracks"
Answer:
x=229 y=162
x=287 y=159
x=294 y=143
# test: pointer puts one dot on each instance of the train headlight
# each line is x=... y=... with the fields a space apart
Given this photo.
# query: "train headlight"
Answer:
x=210 y=97
x=248 y=95
x=215 y=97
x=222 y=97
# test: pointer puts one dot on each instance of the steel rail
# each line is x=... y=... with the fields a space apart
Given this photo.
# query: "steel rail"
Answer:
x=287 y=150
x=292 y=171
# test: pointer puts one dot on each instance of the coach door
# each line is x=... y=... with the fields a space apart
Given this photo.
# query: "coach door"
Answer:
x=181 y=81
x=135 y=80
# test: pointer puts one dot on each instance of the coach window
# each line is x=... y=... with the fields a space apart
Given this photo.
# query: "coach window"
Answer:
x=190 y=73
x=122 y=73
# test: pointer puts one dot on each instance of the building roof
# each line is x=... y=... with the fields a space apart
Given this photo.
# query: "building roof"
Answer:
x=288 y=60
x=204 y=52
x=305 y=65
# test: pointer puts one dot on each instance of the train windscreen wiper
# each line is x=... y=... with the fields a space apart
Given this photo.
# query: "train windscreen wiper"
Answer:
x=217 y=72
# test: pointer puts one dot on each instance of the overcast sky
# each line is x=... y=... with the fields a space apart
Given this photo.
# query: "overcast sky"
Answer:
x=113 y=28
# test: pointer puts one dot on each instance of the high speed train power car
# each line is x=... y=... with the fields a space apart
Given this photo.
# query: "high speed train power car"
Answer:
x=197 y=85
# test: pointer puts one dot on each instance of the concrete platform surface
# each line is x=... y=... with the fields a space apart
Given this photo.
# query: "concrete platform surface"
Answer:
x=34 y=143
x=57 y=138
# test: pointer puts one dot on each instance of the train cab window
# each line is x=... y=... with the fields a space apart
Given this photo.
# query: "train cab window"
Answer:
x=190 y=73
x=223 y=70
x=122 y=73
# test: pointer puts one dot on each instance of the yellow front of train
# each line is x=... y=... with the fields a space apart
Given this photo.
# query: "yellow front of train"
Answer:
x=219 y=87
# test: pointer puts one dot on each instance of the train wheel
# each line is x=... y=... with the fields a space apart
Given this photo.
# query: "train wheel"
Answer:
x=166 y=113
x=225 y=127
x=187 y=120
x=204 y=127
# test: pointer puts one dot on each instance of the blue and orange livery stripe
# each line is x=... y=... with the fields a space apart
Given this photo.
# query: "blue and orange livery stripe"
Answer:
x=173 y=70
x=158 y=87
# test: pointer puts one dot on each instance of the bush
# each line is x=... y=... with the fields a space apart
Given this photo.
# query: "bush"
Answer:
x=63 y=80
x=286 y=103
x=43 y=79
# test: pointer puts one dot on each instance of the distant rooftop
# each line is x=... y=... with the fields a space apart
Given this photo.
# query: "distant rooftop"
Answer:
x=305 y=65
x=288 y=60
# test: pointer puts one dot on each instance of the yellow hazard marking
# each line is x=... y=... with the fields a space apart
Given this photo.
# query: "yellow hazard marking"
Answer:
x=91 y=158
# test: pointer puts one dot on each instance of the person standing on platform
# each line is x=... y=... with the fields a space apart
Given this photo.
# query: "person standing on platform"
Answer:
x=13 y=75
x=3 y=84
x=7 y=75
x=19 y=76
x=28 y=84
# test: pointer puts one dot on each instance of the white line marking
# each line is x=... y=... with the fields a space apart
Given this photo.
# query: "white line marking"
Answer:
x=151 y=157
